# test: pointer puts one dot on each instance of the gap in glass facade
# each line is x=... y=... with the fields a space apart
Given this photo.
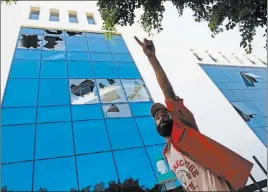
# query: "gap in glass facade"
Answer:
x=246 y=89
x=75 y=116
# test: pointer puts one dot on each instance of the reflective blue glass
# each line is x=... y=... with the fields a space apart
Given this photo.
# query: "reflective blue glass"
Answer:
x=98 y=45
x=262 y=121
x=53 y=69
x=246 y=107
x=234 y=76
x=24 y=69
x=122 y=58
x=54 y=92
x=118 y=46
x=54 y=55
x=261 y=134
x=90 y=136
x=55 y=174
x=135 y=164
x=228 y=94
x=221 y=86
x=80 y=69
x=21 y=92
x=105 y=69
x=53 y=114
x=54 y=16
x=253 y=95
x=27 y=54
x=216 y=74
x=239 y=95
x=253 y=123
x=148 y=131
x=116 y=110
x=78 y=56
x=31 y=31
x=84 y=112
x=54 y=140
x=261 y=85
x=13 y=116
x=17 y=143
x=263 y=92
x=34 y=15
x=101 y=57
x=235 y=86
x=123 y=133
x=91 y=169
x=261 y=106
x=95 y=35
x=76 y=44
x=127 y=70
x=141 y=109
x=17 y=176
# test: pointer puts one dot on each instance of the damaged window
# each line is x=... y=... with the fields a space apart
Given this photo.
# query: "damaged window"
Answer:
x=83 y=91
x=74 y=33
x=30 y=42
x=54 y=42
x=111 y=91
x=53 y=32
x=249 y=78
x=135 y=90
x=116 y=110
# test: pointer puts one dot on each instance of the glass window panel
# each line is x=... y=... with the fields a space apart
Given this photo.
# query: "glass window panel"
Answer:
x=95 y=35
x=53 y=69
x=122 y=58
x=93 y=175
x=54 y=140
x=17 y=143
x=54 y=42
x=116 y=110
x=28 y=31
x=83 y=91
x=253 y=95
x=17 y=176
x=134 y=164
x=53 y=114
x=101 y=57
x=82 y=56
x=127 y=70
x=55 y=174
x=118 y=46
x=263 y=92
x=26 y=41
x=90 y=19
x=239 y=95
x=129 y=135
x=80 y=69
x=246 y=107
x=235 y=86
x=261 y=134
x=76 y=44
x=27 y=54
x=54 y=16
x=110 y=91
x=53 y=92
x=261 y=85
x=261 y=106
x=54 y=32
x=148 y=131
x=75 y=33
x=21 y=92
x=53 y=55
x=84 y=112
x=141 y=109
x=135 y=90
x=262 y=121
x=221 y=86
x=229 y=96
x=253 y=123
x=90 y=136
x=24 y=69
x=105 y=69
x=13 y=116
x=216 y=74
x=73 y=18
x=34 y=15
x=98 y=45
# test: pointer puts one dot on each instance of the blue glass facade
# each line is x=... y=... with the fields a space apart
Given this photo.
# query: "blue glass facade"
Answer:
x=75 y=114
x=246 y=89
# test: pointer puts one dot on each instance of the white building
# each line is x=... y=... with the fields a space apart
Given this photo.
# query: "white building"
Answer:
x=174 y=48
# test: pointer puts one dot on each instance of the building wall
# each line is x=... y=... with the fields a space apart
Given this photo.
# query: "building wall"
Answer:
x=172 y=47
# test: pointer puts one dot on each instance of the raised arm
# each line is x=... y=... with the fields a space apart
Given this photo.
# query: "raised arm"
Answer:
x=149 y=50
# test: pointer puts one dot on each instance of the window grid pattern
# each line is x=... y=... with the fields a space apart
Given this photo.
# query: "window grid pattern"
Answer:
x=109 y=118
x=247 y=97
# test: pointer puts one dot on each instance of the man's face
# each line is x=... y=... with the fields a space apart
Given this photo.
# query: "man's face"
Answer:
x=164 y=122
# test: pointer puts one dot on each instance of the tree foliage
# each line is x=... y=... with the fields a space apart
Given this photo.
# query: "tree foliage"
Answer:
x=247 y=15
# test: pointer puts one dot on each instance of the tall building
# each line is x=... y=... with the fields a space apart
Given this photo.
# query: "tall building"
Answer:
x=75 y=106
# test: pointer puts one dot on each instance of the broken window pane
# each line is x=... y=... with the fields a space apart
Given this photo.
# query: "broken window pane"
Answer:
x=53 y=42
x=53 y=32
x=83 y=91
x=111 y=91
x=116 y=110
x=135 y=90
x=30 y=42
x=75 y=33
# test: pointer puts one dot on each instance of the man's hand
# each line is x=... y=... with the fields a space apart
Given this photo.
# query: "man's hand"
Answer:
x=147 y=46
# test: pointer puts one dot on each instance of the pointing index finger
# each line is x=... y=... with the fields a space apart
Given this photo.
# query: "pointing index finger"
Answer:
x=139 y=42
